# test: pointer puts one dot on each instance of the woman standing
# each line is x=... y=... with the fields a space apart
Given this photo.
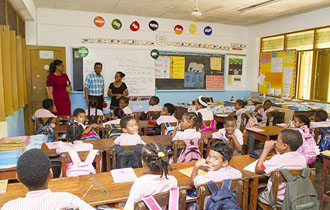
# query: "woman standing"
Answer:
x=59 y=87
x=117 y=89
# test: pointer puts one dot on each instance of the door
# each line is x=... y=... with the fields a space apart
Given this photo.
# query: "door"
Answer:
x=38 y=59
x=322 y=75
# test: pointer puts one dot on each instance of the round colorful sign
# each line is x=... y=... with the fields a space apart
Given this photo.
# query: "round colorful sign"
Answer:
x=154 y=53
x=82 y=52
x=99 y=21
x=135 y=26
x=192 y=28
x=153 y=25
x=116 y=24
x=178 y=29
x=208 y=30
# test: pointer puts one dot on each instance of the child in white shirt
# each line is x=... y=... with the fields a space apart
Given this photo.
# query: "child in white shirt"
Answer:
x=239 y=106
x=230 y=134
x=201 y=107
x=123 y=104
x=217 y=164
x=263 y=109
x=153 y=105
x=190 y=125
x=130 y=137
x=92 y=108
x=116 y=117
x=166 y=115
x=45 y=112
x=319 y=120
x=156 y=181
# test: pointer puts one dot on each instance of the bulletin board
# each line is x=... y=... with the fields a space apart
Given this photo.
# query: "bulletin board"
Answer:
x=185 y=70
x=277 y=73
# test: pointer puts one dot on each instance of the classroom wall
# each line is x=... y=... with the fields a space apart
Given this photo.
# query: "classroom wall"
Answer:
x=317 y=18
x=55 y=27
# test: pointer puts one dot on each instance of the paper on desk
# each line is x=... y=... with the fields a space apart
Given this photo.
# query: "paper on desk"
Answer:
x=281 y=124
x=3 y=185
x=123 y=175
x=251 y=167
x=222 y=115
x=53 y=145
x=187 y=171
x=255 y=129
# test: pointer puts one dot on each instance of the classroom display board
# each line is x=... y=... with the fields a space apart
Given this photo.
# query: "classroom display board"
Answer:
x=277 y=73
x=137 y=64
x=181 y=70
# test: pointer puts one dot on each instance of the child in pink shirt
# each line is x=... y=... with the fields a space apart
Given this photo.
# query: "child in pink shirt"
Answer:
x=166 y=115
x=239 y=106
x=288 y=142
x=153 y=105
x=201 y=107
x=92 y=108
x=156 y=181
x=263 y=109
x=190 y=125
x=217 y=165
x=47 y=106
x=130 y=137
x=230 y=134
x=319 y=120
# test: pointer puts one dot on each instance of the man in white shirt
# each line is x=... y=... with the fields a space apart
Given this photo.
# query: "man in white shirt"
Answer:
x=34 y=171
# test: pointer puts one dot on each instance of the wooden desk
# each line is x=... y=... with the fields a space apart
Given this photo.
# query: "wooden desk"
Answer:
x=143 y=125
x=59 y=129
x=220 y=119
x=269 y=131
x=67 y=184
x=8 y=173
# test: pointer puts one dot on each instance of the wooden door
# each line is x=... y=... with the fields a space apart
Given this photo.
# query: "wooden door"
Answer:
x=322 y=75
x=38 y=59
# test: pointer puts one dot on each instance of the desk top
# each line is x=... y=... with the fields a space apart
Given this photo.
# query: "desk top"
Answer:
x=268 y=130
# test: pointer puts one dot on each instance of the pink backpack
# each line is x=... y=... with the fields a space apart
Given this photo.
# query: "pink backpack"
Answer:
x=210 y=128
x=252 y=120
x=77 y=168
x=173 y=203
x=191 y=152
x=308 y=146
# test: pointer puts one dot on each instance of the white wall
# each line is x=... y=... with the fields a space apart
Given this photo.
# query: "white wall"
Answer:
x=66 y=28
x=303 y=21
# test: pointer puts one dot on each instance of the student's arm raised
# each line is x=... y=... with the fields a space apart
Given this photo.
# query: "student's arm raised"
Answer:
x=269 y=146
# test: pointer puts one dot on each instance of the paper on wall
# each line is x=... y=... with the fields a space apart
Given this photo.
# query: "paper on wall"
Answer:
x=271 y=91
x=278 y=92
x=261 y=79
x=287 y=75
x=229 y=80
x=286 y=90
x=162 y=67
x=215 y=63
x=277 y=65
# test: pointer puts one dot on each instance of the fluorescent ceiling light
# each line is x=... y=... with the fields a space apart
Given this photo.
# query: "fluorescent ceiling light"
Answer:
x=258 y=6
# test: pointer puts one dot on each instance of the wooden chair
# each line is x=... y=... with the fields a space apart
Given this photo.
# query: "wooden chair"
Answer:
x=179 y=144
x=245 y=119
x=163 y=128
x=99 y=119
x=240 y=186
x=163 y=200
x=307 y=113
x=54 y=120
x=126 y=149
x=65 y=158
x=155 y=113
x=277 y=178
x=270 y=115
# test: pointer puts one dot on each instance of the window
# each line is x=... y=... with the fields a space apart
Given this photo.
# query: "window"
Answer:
x=313 y=61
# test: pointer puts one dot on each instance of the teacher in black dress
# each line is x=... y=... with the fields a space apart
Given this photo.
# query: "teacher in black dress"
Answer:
x=117 y=89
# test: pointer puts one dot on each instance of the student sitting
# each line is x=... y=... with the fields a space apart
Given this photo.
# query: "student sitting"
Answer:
x=301 y=123
x=263 y=109
x=288 y=142
x=116 y=117
x=319 y=120
x=166 y=115
x=85 y=132
x=130 y=137
x=45 y=111
x=230 y=134
x=217 y=164
x=156 y=181
x=239 y=106
x=123 y=104
x=92 y=108
x=190 y=124
x=153 y=105
x=201 y=107
x=34 y=171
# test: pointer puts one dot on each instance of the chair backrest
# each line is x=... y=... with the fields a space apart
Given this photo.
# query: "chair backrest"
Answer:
x=238 y=185
x=149 y=114
x=163 y=128
x=180 y=144
x=65 y=158
x=54 y=120
x=126 y=149
x=231 y=143
x=307 y=113
x=244 y=118
x=277 y=178
x=99 y=119
x=163 y=200
x=280 y=115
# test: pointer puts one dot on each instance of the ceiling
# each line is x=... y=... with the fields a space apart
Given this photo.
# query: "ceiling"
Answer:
x=217 y=11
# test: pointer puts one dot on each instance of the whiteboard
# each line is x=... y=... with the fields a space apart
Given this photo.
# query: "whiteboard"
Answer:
x=138 y=66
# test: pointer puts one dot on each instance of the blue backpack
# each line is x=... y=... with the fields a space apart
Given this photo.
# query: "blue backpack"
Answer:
x=221 y=198
x=324 y=143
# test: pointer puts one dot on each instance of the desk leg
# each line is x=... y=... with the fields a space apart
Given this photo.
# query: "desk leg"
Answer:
x=56 y=136
x=323 y=187
x=246 y=194
x=254 y=193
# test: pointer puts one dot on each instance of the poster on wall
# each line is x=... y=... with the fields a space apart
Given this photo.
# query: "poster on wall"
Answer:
x=162 y=67
x=214 y=82
x=194 y=80
x=234 y=79
x=235 y=66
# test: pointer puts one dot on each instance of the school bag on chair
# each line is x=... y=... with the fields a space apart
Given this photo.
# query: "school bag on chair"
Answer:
x=299 y=193
x=221 y=198
x=210 y=128
x=128 y=160
x=173 y=201
x=46 y=129
x=191 y=152
x=324 y=143
x=308 y=147
x=169 y=129
x=251 y=120
x=77 y=168
x=115 y=130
